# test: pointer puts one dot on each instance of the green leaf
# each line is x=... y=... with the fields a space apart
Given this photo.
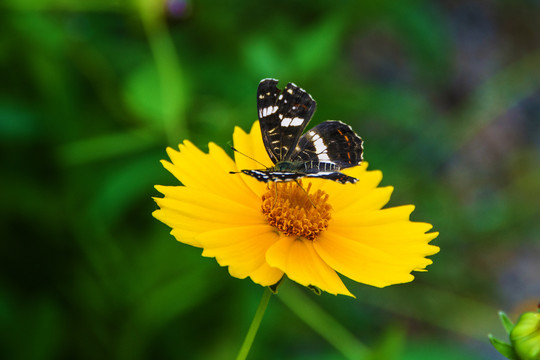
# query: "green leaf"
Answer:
x=507 y=323
x=505 y=349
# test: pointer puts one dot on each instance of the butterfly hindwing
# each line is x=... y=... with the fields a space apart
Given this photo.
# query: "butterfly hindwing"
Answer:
x=330 y=141
x=283 y=117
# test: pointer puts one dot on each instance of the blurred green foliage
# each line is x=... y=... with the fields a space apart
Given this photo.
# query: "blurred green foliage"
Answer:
x=445 y=95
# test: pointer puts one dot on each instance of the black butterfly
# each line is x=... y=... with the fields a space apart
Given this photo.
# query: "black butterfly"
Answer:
x=320 y=153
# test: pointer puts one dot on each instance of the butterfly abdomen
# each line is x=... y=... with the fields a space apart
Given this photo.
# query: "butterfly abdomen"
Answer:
x=307 y=167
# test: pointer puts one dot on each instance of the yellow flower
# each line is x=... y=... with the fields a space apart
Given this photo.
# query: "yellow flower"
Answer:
x=264 y=231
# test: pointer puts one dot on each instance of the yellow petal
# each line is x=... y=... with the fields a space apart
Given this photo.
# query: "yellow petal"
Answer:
x=184 y=232
x=214 y=213
x=198 y=203
x=243 y=250
x=380 y=258
x=374 y=217
x=404 y=236
x=298 y=259
x=363 y=195
x=190 y=212
x=206 y=172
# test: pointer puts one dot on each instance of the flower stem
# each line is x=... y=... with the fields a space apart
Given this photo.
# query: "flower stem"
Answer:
x=170 y=74
x=250 y=336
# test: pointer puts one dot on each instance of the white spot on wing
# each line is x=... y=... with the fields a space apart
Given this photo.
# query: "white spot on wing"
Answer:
x=319 y=145
x=320 y=149
x=267 y=111
x=286 y=122
x=297 y=121
x=321 y=173
x=323 y=157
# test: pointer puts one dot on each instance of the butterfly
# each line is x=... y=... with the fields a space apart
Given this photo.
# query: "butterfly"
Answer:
x=319 y=153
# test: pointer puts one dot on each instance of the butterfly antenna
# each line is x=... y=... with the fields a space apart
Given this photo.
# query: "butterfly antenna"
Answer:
x=249 y=157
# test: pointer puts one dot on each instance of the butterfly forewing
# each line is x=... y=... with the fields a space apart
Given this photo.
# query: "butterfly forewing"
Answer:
x=283 y=117
x=267 y=96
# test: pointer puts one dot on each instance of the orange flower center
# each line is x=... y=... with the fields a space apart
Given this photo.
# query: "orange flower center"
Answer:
x=293 y=211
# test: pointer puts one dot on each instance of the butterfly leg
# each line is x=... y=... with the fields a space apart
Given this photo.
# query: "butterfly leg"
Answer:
x=307 y=194
x=276 y=195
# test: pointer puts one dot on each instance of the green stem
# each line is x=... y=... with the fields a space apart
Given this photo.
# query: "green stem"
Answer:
x=250 y=336
x=171 y=76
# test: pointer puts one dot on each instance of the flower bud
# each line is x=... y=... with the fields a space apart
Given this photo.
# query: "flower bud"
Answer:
x=525 y=336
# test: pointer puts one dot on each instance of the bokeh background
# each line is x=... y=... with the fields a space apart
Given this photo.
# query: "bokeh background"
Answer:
x=446 y=95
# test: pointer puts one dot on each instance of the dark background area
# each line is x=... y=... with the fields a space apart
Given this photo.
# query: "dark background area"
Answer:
x=446 y=96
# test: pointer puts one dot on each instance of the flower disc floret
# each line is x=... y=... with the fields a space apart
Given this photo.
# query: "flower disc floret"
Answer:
x=294 y=211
